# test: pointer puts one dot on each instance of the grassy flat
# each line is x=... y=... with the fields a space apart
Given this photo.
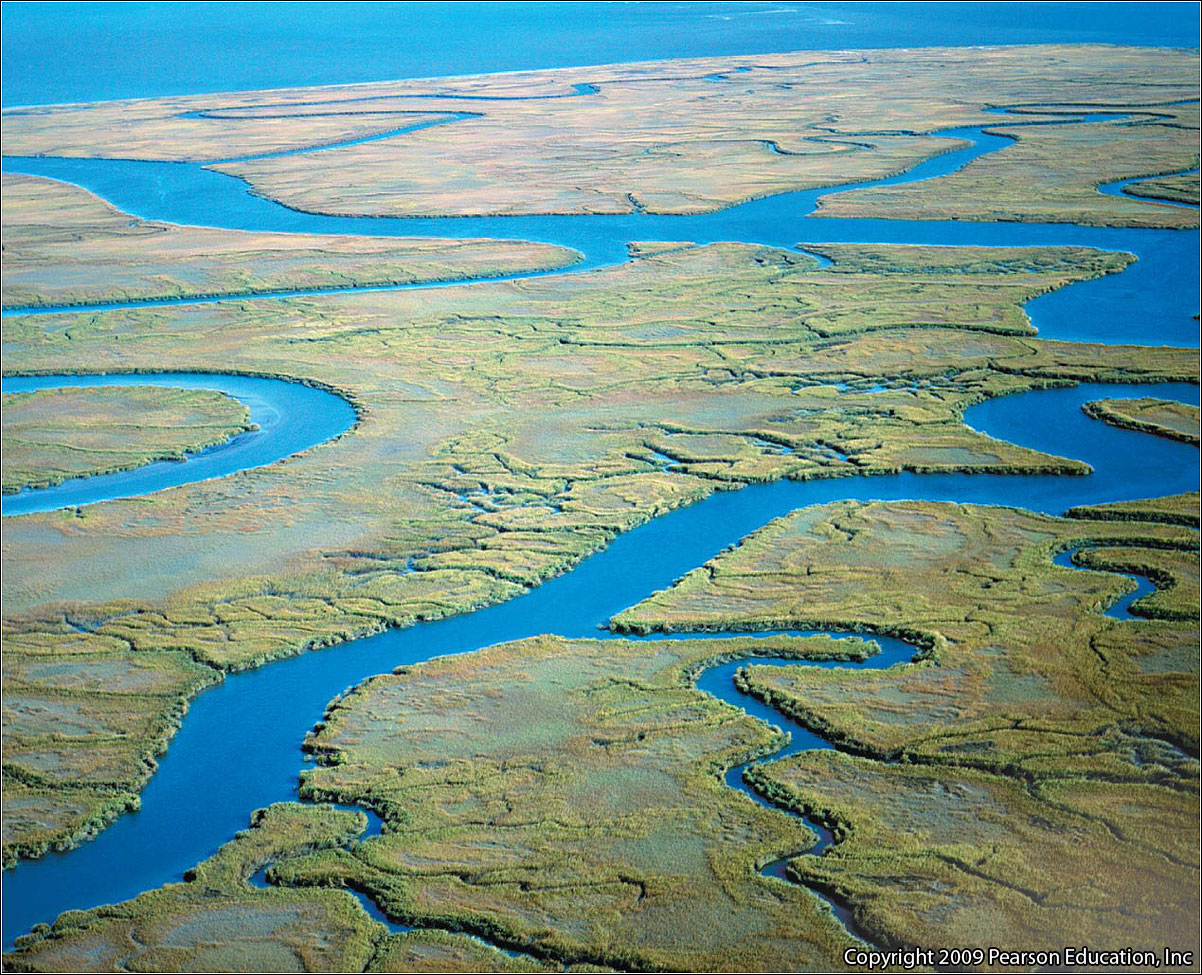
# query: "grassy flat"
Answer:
x=113 y=257
x=946 y=854
x=1175 y=189
x=1030 y=778
x=216 y=921
x=682 y=136
x=86 y=730
x=219 y=920
x=507 y=430
x=1179 y=509
x=1050 y=175
x=1047 y=785
x=1164 y=418
x=55 y=434
x=558 y=797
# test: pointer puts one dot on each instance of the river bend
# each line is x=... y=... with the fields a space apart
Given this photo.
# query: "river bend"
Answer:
x=286 y=417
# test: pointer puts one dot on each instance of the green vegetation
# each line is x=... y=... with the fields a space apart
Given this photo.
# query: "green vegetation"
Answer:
x=1175 y=189
x=81 y=730
x=49 y=226
x=1178 y=509
x=1165 y=418
x=507 y=430
x=216 y=921
x=432 y=950
x=938 y=854
x=55 y=434
x=1050 y=175
x=564 y=797
x=557 y=797
x=674 y=138
x=1175 y=575
x=1047 y=791
x=1033 y=777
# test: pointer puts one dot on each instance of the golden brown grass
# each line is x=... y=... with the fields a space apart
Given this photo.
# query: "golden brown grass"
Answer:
x=665 y=137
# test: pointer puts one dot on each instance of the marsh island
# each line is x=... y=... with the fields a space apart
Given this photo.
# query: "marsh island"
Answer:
x=764 y=523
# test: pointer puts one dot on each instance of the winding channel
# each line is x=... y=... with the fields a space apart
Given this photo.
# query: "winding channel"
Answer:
x=287 y=418
x=239 y=747
x=1162 y=286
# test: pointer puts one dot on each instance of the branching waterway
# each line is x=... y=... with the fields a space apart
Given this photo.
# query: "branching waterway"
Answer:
x=239 y=746
x=1164 y=280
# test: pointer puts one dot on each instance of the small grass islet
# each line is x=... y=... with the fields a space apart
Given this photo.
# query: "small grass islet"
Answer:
x=52 y=435
x=1163 y=418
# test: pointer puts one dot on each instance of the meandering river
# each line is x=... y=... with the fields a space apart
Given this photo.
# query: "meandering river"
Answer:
x=1162 y=287
x=239 y=747
x=286 y=418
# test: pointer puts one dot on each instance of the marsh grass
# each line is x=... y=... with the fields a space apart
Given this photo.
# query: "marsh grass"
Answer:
x=1032 y=773
x=507 y=431
x=51 y=435
x=1163 y=418
x=684 y=136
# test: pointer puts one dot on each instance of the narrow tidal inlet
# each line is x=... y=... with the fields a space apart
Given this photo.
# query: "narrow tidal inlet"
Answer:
x=239 y=747
x=287 y=418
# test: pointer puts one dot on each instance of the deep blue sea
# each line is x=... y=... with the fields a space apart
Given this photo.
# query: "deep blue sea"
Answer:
x=60 y=52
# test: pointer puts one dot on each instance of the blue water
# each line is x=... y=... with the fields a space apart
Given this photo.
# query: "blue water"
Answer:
x=238 y=748
x=58 y=52
x=1163 y=285
x=1121 y=610
x=290 y=417
x=375 y=826
x=1118 y=188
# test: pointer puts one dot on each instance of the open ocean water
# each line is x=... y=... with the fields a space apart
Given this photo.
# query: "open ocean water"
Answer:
x=60 y=52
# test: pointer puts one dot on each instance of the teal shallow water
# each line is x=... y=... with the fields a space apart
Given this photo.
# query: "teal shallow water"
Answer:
x=80 y=52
